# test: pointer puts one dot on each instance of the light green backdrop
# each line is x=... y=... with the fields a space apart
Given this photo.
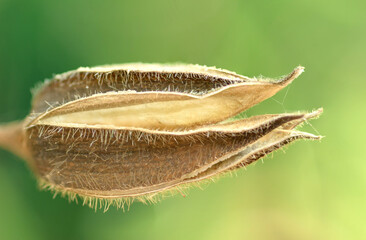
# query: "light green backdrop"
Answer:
x=313 y=191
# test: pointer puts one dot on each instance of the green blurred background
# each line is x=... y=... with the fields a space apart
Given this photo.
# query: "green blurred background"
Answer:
x=316 y=190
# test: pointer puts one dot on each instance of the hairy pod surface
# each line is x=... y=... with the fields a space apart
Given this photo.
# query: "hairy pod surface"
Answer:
x=130 y=131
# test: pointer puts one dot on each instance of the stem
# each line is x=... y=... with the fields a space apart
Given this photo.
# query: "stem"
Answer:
x=12 y=139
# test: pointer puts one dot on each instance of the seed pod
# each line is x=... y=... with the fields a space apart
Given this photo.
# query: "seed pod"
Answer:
x=125 y=132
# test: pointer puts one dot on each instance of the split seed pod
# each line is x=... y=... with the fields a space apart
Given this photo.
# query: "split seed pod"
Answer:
x=125 y=132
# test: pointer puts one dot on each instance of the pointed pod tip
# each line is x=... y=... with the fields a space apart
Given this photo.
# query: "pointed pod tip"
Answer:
x=303 y=117
x=305 y=135
x=292 y=76
x=320 y=137
x=314 y=114
x=299 y=68
x=314 y=137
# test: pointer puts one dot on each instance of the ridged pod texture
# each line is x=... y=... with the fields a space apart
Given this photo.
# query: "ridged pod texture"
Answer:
x=132 y=131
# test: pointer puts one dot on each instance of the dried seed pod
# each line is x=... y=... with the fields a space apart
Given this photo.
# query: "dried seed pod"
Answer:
x=131 y=131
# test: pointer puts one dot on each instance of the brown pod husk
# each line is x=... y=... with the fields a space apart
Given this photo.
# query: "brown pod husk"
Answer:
x=125 y=132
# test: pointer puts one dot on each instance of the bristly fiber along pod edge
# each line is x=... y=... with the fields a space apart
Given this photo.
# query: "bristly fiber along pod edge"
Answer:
x=113 y=134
